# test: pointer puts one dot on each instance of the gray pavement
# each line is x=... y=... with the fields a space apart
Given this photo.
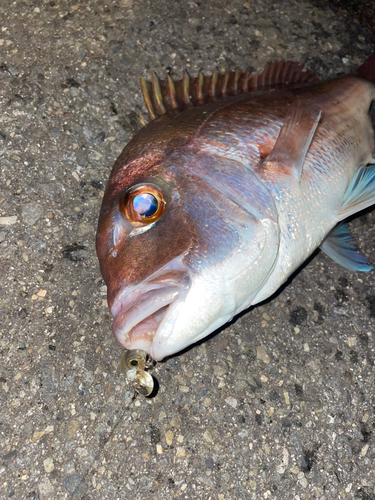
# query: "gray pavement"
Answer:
x=278 y=405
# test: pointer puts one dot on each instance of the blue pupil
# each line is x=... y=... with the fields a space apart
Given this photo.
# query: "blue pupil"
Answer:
x=145 y=204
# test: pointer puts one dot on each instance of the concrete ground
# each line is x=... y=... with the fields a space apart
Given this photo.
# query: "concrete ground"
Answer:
x=278 y=405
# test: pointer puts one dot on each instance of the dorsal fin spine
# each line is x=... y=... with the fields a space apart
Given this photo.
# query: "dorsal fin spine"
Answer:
x=158 y=98
x=236 y=76
x=147 y=98
x=171 y=92
x=186 y=88
x=268 y=77
x=278 y=69
x=142 y=119
x=245 y=82
x=285 y=72
x=213 y=83
x=200 y=80
x=225 y=84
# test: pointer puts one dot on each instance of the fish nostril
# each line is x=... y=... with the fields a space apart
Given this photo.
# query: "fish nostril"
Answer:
x=116 y=234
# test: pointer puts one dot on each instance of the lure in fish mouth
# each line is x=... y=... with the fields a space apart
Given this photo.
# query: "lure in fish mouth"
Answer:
x=231 y=184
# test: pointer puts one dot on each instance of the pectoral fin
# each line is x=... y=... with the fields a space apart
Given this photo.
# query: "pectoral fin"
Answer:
x=360 y=193
x=341 y=247
x=293 y=142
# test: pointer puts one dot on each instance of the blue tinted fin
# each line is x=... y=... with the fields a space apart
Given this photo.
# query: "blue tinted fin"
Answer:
x=360 y=193
x=341 y=247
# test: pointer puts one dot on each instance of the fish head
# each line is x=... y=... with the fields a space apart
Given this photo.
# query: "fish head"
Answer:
x=142 y=239
x=180 y=249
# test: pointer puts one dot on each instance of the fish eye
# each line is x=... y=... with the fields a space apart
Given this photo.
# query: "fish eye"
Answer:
x=143 y=205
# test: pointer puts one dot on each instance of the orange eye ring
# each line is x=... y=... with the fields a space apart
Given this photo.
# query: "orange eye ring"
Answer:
x=143 y=205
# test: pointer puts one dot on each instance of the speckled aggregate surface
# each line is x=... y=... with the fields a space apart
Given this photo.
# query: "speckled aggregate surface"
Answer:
x=280 y=404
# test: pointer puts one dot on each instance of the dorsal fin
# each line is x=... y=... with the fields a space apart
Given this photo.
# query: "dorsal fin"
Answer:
x=163 y=96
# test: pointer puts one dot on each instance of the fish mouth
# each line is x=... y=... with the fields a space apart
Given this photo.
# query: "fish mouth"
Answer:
x=139 y=312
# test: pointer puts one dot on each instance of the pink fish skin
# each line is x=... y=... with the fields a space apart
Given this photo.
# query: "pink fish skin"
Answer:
x=232 y=184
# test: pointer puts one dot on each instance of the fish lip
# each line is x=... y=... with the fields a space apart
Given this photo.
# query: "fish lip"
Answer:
x=146 y=305
x=127 y=299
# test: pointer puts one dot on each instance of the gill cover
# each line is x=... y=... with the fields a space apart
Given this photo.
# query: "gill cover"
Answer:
x=235 y=241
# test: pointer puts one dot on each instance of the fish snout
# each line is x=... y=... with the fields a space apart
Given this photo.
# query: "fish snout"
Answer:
x=141 y=311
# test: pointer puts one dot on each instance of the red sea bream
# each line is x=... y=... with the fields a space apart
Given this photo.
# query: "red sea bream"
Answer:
x=233 y=183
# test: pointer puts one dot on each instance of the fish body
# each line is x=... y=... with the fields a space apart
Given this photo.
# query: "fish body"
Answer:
x=220 y=198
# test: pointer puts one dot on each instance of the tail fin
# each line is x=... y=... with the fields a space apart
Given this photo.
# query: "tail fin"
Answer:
x=367 y=70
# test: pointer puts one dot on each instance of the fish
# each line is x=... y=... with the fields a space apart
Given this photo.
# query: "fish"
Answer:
x=233 y=181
